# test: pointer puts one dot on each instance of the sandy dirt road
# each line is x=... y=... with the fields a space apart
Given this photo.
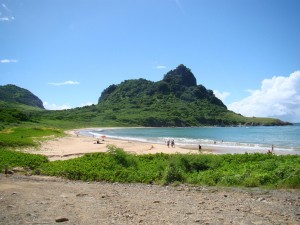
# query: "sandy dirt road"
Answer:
x=43 y=200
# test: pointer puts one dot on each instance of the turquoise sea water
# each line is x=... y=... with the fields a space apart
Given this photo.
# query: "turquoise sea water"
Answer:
x=286 y=139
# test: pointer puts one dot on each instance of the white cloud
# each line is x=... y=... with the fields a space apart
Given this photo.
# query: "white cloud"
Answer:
x=179 y=6
x=278 y=97
x=7 y=18
x=4 y=18
x=8 y=61
x=221 y=95
x=87 y=103
x=69 y=82
x=5 y=7
x=160 y=67
x=5 y=14
x=50 y=106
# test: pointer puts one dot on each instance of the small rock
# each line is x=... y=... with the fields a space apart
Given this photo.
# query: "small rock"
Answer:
x=9 y=172
x=18 y=169
x=156 y=202
x=62 y=219
x=225 y=196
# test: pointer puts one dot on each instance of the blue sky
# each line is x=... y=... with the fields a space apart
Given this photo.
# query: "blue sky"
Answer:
x=67 y=52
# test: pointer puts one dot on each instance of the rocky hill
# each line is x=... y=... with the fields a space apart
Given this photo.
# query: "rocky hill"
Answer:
x=176 y=100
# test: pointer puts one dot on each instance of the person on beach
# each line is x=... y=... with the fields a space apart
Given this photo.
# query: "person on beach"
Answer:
x=173 y=143
x=168 y=143
x=269 y=152
x=200 y=147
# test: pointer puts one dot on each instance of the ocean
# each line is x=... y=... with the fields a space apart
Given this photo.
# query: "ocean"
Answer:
x=285 y=139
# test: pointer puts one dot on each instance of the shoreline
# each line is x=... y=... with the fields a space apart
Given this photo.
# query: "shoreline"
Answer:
x=219 y=146
x=76 y=144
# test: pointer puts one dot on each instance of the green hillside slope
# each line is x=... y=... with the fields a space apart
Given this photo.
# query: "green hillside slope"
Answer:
x=13 y=93
x=176 y=100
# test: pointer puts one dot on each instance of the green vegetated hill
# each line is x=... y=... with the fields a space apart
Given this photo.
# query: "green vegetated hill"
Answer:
x=17 y=104
x=15 y=94
x=15 y=112
x=176 y=100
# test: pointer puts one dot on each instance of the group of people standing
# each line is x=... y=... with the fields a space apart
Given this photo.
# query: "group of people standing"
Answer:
x=172 y=142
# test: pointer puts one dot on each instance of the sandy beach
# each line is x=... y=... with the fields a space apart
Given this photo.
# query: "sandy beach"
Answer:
x=75 y=145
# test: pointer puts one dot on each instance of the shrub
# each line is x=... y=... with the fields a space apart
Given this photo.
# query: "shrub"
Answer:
x=172 y=174
x=11 y=158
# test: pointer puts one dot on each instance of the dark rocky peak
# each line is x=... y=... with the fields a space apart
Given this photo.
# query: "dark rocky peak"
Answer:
x=181 y=76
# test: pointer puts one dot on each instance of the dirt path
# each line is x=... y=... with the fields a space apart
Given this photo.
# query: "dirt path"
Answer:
x=43 y=200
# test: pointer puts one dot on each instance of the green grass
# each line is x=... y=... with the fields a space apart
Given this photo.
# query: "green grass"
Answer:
x=26 y=136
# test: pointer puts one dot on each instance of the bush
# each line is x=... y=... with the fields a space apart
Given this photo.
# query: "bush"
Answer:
x=249 y=170
x=121 y=157
x=11 y=158
x=172 y=174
